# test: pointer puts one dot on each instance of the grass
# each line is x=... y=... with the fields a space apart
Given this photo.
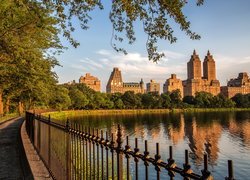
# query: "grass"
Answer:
x=8 y=116
x=64 y=114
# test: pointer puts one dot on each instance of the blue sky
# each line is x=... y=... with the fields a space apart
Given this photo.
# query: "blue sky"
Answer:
x=224 y=26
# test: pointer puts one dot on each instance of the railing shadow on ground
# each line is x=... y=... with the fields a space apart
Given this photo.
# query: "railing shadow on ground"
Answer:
x=72 y=151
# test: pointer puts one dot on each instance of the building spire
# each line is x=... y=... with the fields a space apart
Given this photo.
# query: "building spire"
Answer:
x=194 y=53
x=208 y=53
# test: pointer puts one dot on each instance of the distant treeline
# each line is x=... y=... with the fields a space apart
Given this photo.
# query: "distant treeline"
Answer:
x=79 y=96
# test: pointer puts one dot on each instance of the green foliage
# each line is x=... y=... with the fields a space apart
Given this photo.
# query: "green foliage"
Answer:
x=189 y=100
x=82 y=97
x=131 y=100
x=117 y=101
x=203 y=99
x=147 y=100
x=242 y=101
x=60 y=100
x=176 y=100
x=166 y=100
x=28 y=37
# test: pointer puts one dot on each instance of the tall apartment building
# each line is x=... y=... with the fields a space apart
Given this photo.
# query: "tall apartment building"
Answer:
x=195 y=82
x=91 y=81
x=115 y=84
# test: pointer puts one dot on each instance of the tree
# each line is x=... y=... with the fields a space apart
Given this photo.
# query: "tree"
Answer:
x=130 y=100
x=27 y=33
x=78 y=99
x=116 y=98
x=189 y=100
x=176 y=99
x=60 y=100
x=242 y=101
x=147 y=100
x=166 y=100
x=203 y=99
x=154 y=16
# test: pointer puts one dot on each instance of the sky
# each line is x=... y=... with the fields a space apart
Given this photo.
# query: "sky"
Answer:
x=224 y=26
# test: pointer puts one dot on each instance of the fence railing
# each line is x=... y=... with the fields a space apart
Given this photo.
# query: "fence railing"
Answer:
x=72 y=151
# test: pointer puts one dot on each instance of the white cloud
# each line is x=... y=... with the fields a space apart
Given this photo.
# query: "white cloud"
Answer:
x=103 y=52
x=137 y=65
x=245 y=60
x=91 y=63
x=229 y=67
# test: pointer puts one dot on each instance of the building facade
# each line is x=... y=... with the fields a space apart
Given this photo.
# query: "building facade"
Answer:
x=195 y=82
x=91 y=81
x=172 y=84
x=115 y=84
x=241 y=84
x=153 y=87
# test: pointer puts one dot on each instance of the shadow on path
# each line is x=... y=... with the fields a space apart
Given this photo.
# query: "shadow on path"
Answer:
x=13 y=161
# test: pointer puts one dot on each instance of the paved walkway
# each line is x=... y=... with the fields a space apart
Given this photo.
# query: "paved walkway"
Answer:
x=13 y=162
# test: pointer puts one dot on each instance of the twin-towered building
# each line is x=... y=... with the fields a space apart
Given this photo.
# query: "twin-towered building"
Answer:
x=195 y=82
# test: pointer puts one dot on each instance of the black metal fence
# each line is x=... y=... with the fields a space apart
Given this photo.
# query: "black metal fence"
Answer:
x=72 y=151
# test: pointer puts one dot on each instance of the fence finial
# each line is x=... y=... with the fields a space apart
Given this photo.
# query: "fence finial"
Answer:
x=119 y=137
x=205 y=173
x=187 y=168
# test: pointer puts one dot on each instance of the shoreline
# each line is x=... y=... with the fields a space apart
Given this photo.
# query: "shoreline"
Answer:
x=66 y=113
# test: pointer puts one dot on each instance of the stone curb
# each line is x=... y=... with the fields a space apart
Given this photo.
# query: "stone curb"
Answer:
x=38 y=169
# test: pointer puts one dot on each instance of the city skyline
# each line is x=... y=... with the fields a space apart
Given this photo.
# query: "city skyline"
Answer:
x=104 y=84
x=223 y=27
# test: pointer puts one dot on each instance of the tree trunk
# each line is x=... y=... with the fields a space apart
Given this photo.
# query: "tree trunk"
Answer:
x=20 y=107
x=1 y=102
x=7 y=105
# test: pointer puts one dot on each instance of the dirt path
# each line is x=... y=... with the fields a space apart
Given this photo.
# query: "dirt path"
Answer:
x=13 y=162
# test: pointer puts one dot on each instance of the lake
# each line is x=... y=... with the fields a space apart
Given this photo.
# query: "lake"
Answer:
x=222 y=135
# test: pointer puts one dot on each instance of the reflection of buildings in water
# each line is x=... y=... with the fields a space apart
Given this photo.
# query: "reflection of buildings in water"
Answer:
x=204 y=139
x=154 y=132
x=176 y=134
x=242 y=130
x=140 y=131
x=246 y=133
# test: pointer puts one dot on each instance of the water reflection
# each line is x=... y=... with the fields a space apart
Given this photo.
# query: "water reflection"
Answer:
x=224 y=135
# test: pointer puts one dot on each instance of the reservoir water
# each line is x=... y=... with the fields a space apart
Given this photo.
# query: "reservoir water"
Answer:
x=222 y=135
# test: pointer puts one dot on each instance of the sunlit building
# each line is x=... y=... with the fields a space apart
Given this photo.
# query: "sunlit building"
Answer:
x=91 y=81
x=116 y=84
x=153 y=87
x=241 y=84
x=195 y=82
x=173 y=83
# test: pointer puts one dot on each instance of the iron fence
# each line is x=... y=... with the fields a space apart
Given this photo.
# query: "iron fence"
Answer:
x=72 y=151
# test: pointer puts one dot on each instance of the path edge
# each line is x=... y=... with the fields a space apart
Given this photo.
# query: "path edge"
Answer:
x=38 y=169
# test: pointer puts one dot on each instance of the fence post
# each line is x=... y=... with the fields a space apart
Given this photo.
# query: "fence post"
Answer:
x=119 y=154
x=32 y=127
x=68 y=159
x=230 y=171
x=205 y=173
x=49 y=141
